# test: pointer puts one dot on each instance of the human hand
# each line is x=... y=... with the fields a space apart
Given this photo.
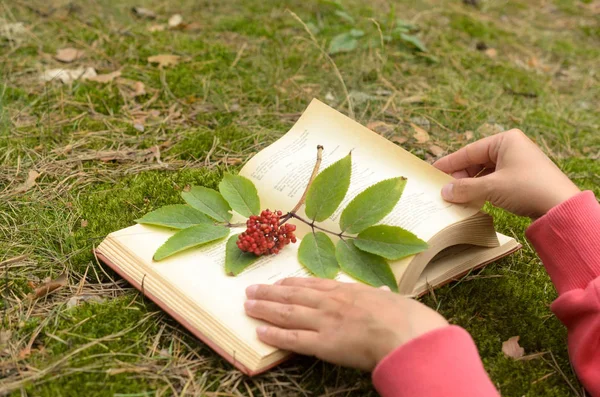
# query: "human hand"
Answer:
x=344 y=323
x=514 y=174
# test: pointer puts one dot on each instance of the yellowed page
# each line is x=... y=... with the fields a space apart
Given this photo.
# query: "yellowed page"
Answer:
x=282 y=170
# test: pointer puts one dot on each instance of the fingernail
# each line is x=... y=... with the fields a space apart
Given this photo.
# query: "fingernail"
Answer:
x=249 y=304
x=261 y=330
x=385 y=288
x=447 y=191
x=251 y=290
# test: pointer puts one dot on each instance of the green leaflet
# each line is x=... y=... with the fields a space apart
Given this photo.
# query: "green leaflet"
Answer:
x=188 y=238
x=328 y=190
x=237 y=260
x=178 y=216
x=365 y=267
x=344 y=42
x=208 y=201
x=317 y=254
x=241 y=194
x=391 y=242
x=372 y=205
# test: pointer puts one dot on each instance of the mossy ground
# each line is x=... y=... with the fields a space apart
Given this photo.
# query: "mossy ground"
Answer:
x=246 y=71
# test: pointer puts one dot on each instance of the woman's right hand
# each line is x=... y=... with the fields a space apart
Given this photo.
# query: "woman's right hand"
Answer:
x=509 y=171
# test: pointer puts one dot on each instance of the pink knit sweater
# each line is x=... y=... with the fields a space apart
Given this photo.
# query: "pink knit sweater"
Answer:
x=445 y=362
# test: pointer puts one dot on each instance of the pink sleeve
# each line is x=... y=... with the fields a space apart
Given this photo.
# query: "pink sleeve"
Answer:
x=567 y=240
x=443 y=362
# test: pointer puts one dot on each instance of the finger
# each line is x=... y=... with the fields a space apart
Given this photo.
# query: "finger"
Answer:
x=310 y=282
x=298 y=341
x=468 y=190
x=282 y=315
x=385 y=288
x=480 y=152
x=285 y=294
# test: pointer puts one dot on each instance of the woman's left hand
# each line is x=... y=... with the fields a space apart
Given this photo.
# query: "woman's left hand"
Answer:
x=344 y=323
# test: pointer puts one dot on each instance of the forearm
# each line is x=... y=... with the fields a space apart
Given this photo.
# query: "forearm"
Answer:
x=567 y=240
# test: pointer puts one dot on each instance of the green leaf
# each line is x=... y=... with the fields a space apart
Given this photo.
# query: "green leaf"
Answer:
x=241 y=194
x=328 y=190
x=357 y=33
x=345 y=16
x=190 y=237
x=317 y=254
x=363 y=266
x=208 y=201
x=372 y=205
x=414 y=40
x=178 y=216
x=344 y=42
x=401 y=23
x=237 y=260
x=391 y=242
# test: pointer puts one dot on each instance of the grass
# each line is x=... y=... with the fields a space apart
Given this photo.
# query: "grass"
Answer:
x=247 y=70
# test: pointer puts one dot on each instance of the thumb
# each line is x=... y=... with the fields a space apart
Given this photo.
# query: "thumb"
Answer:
x=467 y=190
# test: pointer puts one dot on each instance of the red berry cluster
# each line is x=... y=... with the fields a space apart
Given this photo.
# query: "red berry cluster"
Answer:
x=264 y=236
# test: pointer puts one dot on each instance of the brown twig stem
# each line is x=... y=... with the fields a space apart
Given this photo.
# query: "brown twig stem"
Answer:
x=310 y=181
x=313 y=226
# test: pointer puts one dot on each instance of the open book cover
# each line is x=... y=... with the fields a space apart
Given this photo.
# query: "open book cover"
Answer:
x=194 y=289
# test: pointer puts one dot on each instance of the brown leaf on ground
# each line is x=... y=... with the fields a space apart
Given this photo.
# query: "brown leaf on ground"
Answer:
x=192 y=27
x=511 y=348
x=84 y=223
x=380 y=127
x=164 y=60
x=399 y=139
x=460 y=100
x=78 y=299
x=175 y=21
x=29 y=182
x=468 y=135
x=491 y=53
x=67 y=76
x=436 y=150
x=105 y=78
x=49 y=286
x=132 y=88
x=420 y=134
x=143 y=12
x=68 y=55
x=487 y=129
x=156 y=28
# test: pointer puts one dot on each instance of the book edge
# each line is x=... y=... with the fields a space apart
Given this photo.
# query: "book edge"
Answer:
x=231 y=359
x=458 y=277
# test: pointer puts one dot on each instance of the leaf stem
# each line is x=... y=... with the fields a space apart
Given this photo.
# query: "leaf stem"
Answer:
x=313 y=226
x=310 y=181
x=228 y=224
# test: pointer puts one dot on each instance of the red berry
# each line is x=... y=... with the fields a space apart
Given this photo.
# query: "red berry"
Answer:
x=264 y=235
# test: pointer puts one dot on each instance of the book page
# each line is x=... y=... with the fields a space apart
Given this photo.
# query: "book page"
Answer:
x=199 y=274
x=281 y=172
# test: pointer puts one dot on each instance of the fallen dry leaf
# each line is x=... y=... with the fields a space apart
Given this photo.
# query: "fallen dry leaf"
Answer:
x=68 y=55
x=12 y=31
x=399 y=139
x=491 y=52
x=460 y=100
x=139 y=88
x=78 y=299
x=436 y=150
x=84 y=223
x=143 y=12
x=164 y=60
x=29 y=182
x=468 y=135
x=380 y=127
x=175 y=21
x=487 y=129
x=511 y=348
x=420 y=134
x=192 y=27
x=105 y=78
x=67 y=76
x=49 y=286
x=156 y=28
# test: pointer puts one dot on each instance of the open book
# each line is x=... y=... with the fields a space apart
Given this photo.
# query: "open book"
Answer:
x=193 y=287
